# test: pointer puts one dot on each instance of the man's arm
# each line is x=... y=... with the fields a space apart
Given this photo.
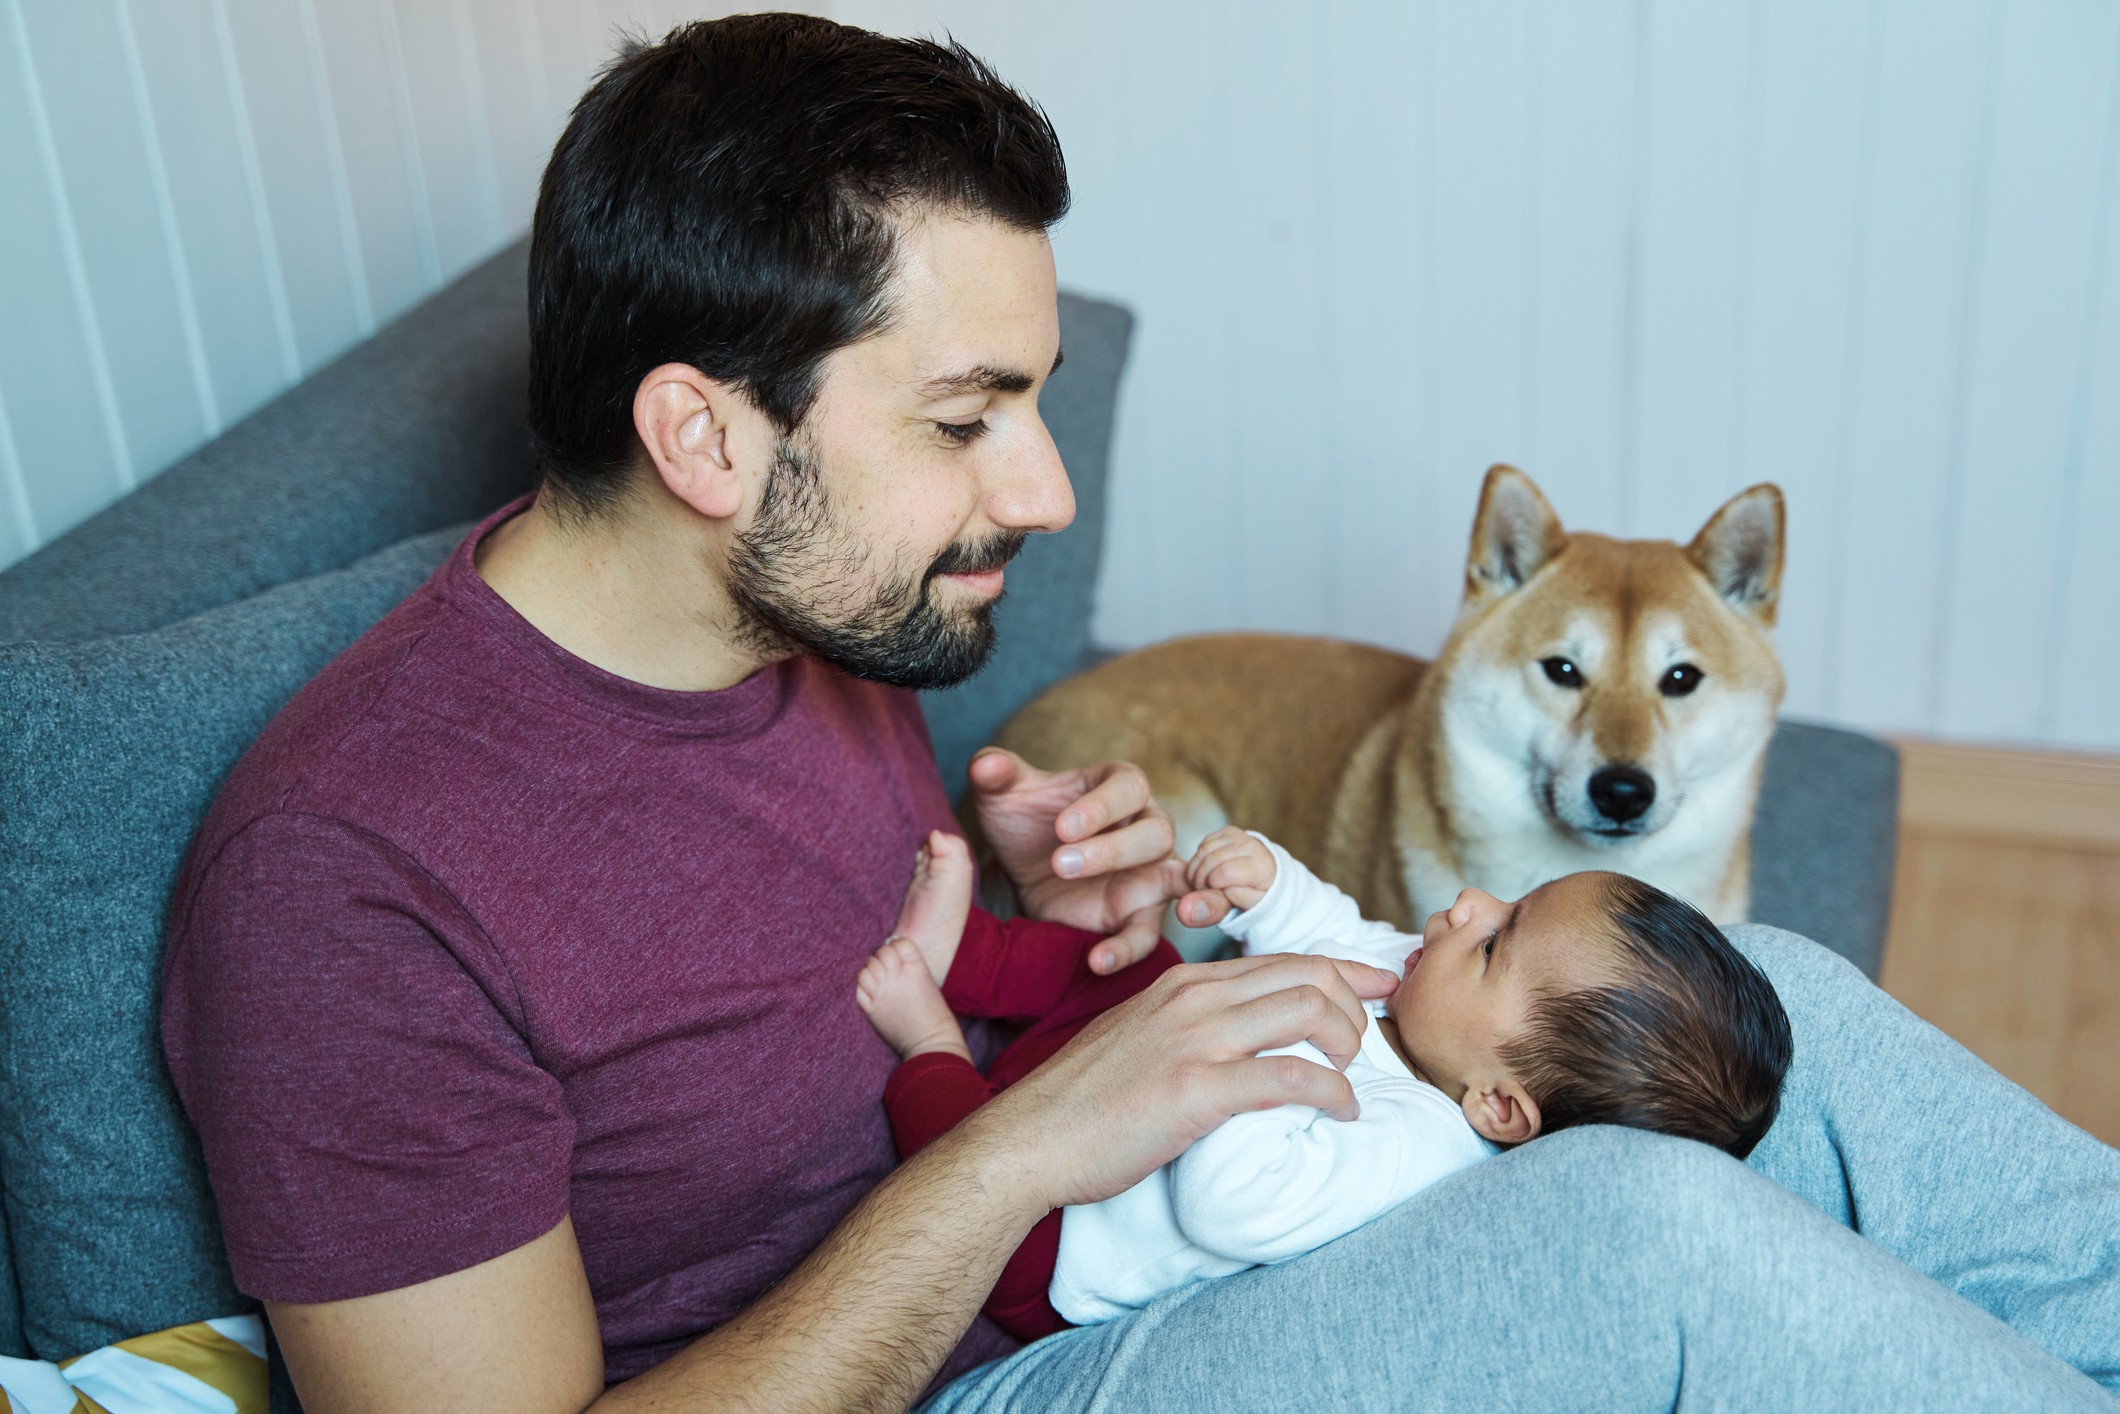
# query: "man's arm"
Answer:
x=867 y=1319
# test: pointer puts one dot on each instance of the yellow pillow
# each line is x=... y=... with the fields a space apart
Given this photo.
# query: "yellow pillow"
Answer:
x=216 y=1366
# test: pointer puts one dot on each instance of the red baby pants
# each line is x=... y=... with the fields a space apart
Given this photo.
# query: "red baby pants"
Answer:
x=1029 y=974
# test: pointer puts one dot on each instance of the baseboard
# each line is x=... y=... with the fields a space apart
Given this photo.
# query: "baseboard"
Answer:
x=2071 y=800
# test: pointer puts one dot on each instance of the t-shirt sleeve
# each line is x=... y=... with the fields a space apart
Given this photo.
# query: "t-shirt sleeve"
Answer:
x=351 y=1052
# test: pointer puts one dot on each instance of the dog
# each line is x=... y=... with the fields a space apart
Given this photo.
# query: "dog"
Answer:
x=1599 y=704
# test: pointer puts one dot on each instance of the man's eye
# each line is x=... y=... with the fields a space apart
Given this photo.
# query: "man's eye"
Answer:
x=1487 y=948
x=962 y=432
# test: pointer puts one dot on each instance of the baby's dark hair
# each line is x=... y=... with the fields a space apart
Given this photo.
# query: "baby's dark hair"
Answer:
x=1690 y=1040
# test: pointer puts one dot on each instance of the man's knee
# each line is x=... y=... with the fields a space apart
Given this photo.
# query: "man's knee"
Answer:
x=1792 y=961
x=1637 y=1202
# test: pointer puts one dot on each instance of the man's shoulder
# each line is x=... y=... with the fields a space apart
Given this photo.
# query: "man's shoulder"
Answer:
x=341 y=734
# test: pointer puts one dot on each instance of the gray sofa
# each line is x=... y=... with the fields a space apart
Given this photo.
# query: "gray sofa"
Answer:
x=140 y=653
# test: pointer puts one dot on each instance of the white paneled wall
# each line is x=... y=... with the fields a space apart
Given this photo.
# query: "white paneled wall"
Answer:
x=201 y=201
x=1653 y=251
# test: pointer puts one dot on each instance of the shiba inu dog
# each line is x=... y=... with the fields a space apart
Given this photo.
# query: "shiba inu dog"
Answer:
x=1599 y=704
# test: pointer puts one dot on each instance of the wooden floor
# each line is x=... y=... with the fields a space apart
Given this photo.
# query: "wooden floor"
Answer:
x=2006 y=917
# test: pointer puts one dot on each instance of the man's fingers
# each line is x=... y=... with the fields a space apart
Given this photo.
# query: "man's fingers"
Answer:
x=1263 y=1082
x=1282 y=999
x=1120 y=792
x=1131 y=943
x=1203 y=908
x=1145 y=841
x=1291 y=1014
x=1369 y=983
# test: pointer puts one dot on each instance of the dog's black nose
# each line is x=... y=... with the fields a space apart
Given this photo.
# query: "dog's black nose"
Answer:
x=1622 y=793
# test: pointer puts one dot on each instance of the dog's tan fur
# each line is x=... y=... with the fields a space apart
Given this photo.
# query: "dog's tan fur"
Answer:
x=1403 y=781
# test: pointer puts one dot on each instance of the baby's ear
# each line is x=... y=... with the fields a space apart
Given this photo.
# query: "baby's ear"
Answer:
x=1502 y=1112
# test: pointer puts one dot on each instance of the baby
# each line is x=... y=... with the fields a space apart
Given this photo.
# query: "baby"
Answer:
x=1594 y=999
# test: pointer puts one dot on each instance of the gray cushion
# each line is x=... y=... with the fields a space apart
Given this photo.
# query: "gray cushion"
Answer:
x=113 y=749
x=418 y=427
x=11 y=1342
x=1825 y=838
x=1043 y=620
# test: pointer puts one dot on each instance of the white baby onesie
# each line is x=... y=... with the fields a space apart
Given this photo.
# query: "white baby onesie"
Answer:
x=1270 y=1185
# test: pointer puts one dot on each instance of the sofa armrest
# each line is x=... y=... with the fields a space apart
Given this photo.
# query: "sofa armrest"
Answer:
x=1825 y=838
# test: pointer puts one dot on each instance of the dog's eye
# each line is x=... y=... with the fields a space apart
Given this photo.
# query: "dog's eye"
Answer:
x=1680 y=681
x=1563 y=673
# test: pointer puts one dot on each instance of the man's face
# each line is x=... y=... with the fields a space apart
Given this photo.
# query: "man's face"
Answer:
x=880 y=535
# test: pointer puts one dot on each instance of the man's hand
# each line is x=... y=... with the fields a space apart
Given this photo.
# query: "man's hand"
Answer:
x=1089 y=848
x=1149 y=1077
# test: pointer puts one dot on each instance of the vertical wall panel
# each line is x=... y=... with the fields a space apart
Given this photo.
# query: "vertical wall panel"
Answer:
x=574 y=44
x=1805 y=207
x=277 y=78
x=1582 y=91
x=2024 y=349
x=138 y=291
x=376 y=146
x=443 y=89
x=1694 y=214
x=16 y=536
x=516 y=104
x=1929 y=106
x=242 y=313
x=1651 y=249
x=1374 y=376
x=1478 y=254
x=1178 y=429
x=1270 y=232
x=52 y=374
x=2082 y=697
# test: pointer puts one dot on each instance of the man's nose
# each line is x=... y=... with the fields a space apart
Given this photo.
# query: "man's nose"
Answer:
x=1030 y=489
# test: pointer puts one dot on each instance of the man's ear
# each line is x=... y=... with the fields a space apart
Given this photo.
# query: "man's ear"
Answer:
x=1513 y=536
x=1739 y=550
x=695 y=431
x=1501 y=1111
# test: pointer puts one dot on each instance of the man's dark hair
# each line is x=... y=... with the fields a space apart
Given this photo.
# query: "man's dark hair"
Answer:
x=726 y=199
x=1690 y=1040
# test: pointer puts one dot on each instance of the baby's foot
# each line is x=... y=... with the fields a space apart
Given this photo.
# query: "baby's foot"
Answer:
x=938 y=901
x=904 y=1004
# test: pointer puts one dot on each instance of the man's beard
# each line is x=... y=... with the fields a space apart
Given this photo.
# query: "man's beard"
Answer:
x=790 y=568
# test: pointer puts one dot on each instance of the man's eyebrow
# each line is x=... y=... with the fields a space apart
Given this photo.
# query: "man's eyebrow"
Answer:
x=985 y=379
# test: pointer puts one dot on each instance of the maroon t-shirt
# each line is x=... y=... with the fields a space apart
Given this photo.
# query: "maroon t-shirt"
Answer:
x=478 y=935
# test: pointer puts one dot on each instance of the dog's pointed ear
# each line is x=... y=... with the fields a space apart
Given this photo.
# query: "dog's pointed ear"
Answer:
x=1739 y=550
x=1513 y=536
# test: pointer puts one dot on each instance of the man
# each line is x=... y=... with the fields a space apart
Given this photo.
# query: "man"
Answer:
x=511 y=978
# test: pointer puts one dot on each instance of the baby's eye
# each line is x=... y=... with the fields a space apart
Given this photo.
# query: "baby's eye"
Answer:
x=1487 y=948
x=962 y=433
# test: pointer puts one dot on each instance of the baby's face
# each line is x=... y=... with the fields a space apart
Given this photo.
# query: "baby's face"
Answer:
x=1469 y=989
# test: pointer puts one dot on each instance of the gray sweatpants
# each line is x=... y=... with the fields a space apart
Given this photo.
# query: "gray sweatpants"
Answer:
x=1915 y=1233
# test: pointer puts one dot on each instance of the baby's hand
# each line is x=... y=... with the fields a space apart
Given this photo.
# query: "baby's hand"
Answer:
x=1234 y=865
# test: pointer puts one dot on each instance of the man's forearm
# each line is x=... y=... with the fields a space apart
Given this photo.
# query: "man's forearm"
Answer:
x=869 y=1317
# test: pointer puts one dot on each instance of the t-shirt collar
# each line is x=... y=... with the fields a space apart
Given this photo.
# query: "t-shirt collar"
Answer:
x=748 y=707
